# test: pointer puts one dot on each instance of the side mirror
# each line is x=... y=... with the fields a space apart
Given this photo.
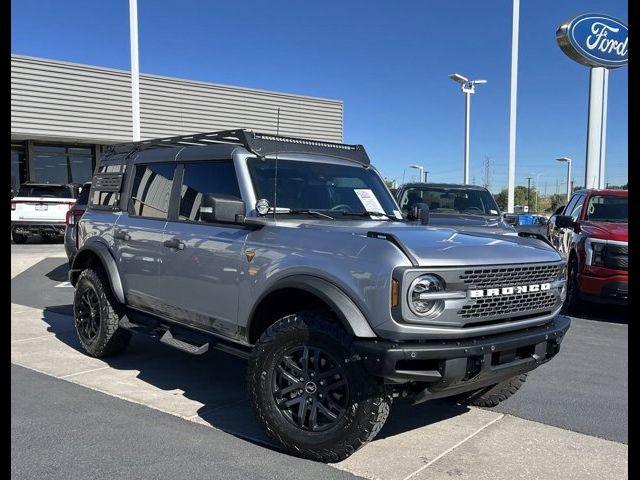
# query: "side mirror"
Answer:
x=420 y=211
x=221 y=209
x=565 y=221
x=510 y=219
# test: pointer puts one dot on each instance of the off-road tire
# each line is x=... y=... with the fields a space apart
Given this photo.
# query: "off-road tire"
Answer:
x=491 y=396
x=368 y=403
x=19 y=238
x=572 y=300
x=110 y=339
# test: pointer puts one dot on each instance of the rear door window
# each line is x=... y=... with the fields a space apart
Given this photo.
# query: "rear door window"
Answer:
x=152 y=190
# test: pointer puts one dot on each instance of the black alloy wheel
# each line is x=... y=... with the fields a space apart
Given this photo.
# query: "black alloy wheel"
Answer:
x=310 y=389
x=88 y=314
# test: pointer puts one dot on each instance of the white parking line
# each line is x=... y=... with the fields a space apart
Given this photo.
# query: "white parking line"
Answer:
x=64 y=285
x=84 y=371
x=32 y=338
x=454 y=447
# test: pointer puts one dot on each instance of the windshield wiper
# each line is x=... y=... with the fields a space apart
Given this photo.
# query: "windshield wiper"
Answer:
x=368 y=213
x=308 y=212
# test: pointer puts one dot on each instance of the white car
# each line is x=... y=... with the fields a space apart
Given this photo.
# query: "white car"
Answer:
x=40 y=209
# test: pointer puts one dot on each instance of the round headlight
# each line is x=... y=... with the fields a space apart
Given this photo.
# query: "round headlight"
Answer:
x=419 y=301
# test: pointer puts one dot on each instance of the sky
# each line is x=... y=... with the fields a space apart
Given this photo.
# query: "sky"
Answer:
x=388 y=62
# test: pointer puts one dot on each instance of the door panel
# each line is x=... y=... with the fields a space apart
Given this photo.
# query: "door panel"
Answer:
x=138 y=234
x=138 y=247
x=200 y=263
x=198 y=284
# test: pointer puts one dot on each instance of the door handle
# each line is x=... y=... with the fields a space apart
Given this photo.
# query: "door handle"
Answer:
x=122 y=235
x=175 y=243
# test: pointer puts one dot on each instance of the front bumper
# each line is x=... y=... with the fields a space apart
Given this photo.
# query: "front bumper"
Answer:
x=612 y=289
x=455 y=366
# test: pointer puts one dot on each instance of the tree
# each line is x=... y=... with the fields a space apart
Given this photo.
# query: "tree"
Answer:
x=389 y=183
x=520 y=197
x=557 y=199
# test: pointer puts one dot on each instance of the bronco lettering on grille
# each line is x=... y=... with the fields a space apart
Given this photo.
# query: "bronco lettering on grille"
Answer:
x=498 y=292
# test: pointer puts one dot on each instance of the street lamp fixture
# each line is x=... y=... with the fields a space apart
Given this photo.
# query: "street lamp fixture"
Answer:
x=468 y=87
x=568 y=160
x=421 y=170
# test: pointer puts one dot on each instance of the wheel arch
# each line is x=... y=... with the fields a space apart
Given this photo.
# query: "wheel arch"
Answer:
x=96 y=253
x=305 y=292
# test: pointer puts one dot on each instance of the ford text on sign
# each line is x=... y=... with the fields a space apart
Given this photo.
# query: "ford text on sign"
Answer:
x=595 y=40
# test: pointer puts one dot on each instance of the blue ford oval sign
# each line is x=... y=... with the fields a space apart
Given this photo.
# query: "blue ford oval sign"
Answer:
x=595 y=40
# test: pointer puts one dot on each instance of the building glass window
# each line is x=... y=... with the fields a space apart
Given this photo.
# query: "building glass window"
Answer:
x=18 y=168
x=62 y=164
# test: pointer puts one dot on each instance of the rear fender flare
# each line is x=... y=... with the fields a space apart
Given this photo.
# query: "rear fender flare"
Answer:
x=101 y=251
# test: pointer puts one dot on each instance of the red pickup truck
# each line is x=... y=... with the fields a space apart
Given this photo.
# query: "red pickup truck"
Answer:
x=592 y=233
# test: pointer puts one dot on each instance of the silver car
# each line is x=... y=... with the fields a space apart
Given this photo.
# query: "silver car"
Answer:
x=293 y=254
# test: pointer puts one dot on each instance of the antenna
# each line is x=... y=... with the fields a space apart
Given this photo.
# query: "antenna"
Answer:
x=275 y=175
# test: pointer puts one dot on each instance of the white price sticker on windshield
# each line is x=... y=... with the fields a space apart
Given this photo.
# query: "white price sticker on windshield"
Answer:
x=368 y=200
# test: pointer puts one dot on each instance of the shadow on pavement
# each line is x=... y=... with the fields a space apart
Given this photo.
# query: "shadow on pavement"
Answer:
x=59 y=274
x=600 y=312
x=217 y=381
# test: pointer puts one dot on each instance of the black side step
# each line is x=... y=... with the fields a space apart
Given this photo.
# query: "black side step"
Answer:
x=189 y=341
x=169 y=339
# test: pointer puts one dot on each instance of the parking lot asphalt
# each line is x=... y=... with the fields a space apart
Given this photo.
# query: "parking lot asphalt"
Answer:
x=79 y=433
x=583 y=390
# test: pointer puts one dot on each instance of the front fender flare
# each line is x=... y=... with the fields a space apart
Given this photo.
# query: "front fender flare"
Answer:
x=108 y=262
x=348 y=312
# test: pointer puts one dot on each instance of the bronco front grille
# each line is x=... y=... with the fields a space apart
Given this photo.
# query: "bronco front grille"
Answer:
x=508 y=305
x=510 y=276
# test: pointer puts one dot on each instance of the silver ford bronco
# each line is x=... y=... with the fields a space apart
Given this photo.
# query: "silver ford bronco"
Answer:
x=293 y=254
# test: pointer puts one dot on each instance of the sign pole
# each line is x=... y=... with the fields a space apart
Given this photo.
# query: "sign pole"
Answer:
x=600 y=42
x=596 y=128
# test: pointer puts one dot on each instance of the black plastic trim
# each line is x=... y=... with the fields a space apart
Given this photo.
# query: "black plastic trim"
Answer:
x=380 y=357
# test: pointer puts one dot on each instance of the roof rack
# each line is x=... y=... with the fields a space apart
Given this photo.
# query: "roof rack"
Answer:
x=260 y=144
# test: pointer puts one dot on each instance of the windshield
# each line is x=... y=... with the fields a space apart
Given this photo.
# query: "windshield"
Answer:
x=450 y=200
x=329 y=188
x=608 y=208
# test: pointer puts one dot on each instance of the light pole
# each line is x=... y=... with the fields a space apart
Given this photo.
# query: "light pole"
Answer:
x=568 y=160
x=426 y=173
x=537 y=189
x=420 y=169
x=511 y=172
x=468 y=87
x=135 y=74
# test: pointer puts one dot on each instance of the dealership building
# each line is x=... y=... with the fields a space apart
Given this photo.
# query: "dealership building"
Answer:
x=62 y=114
